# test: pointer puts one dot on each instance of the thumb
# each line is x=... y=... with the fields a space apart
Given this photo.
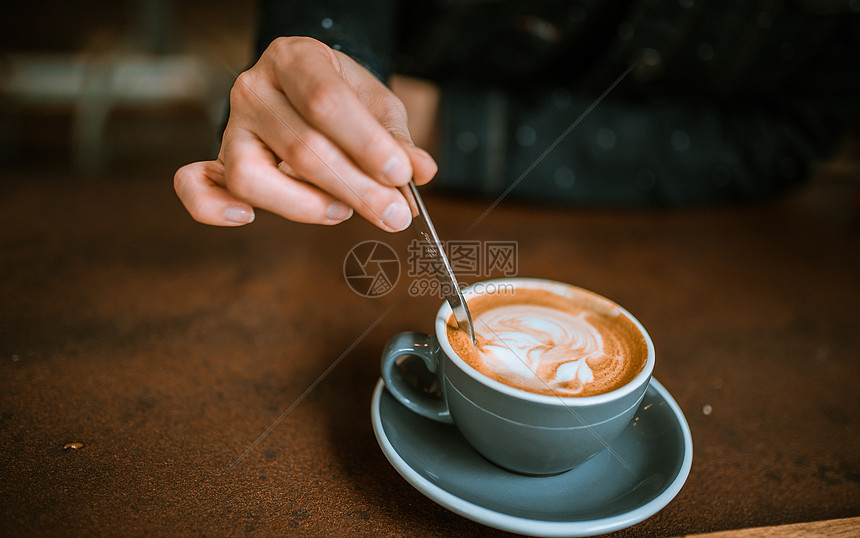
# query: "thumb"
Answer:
x=424 y=167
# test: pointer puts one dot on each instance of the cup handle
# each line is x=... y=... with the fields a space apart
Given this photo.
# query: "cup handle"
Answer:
x=426 y=348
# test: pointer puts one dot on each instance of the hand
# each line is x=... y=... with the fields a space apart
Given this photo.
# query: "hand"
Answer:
x=311 y=136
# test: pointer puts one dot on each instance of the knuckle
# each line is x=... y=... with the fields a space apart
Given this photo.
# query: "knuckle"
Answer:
x=183 y=184
x=181 y=179
x=379 y=139
x=288 y=49
x=398 y=108
x=305 y=155
x=281 y=49
x=323 y=102
x=303 y=161
x=394 y=107
x=286 y=45
x=242 y=88
x=241 y=178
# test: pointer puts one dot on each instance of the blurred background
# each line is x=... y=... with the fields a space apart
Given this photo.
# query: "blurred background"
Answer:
x=106 y=88
x=103 y=88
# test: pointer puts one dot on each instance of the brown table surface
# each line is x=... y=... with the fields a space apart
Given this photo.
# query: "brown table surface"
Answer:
x=168 y=349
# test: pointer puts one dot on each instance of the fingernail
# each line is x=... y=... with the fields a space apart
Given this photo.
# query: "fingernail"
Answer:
x=422 y=152
x=397 y=217
x=396 y=171
x=338 y=211
x=239 y=215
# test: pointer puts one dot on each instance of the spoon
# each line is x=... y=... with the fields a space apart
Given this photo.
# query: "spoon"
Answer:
x=439 y=261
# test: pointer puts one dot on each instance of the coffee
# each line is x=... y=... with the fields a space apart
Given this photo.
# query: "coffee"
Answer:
x=562 y=342
x=538 y=339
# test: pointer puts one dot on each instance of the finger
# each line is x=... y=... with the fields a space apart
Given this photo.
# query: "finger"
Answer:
x=318 y=161
x=424 y=167
x=252 y=174
x=328 y=103
x=198 y=187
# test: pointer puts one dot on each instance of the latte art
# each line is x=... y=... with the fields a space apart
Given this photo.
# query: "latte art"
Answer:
x=543 y=347
x=540 y=342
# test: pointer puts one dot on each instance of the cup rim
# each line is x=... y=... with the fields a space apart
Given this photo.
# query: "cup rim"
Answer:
x=557 y=400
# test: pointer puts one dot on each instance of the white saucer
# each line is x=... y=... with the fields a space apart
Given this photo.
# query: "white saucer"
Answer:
x=646 y=468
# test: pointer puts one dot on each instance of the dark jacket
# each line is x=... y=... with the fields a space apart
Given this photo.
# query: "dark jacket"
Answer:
x=707 y=101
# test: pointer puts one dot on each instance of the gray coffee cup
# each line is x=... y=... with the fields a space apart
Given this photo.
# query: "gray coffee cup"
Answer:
x=518 y=430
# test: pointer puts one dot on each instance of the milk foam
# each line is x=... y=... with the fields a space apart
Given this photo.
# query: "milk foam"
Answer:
x=543 y=347
x=552 y=345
